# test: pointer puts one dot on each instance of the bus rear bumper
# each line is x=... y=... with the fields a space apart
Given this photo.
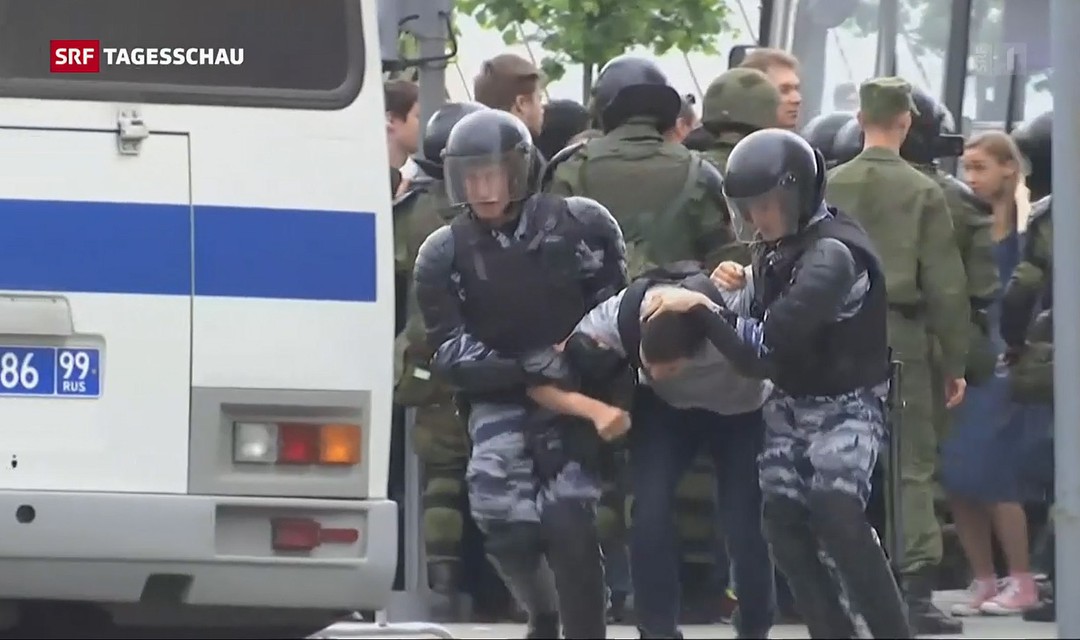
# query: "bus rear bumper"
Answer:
x=197 y=550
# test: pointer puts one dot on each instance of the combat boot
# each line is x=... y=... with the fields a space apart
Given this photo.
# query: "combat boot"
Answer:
x=444 y=578
x=923 y=615
x=544 y=627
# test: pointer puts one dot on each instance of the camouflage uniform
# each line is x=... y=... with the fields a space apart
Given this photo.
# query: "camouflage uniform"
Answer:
x=439 y=436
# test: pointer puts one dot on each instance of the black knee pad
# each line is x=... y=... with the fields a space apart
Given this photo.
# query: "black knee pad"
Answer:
x=517 y=546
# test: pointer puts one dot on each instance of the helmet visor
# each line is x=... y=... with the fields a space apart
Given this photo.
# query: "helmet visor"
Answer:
x=767 y=216
x=488 y=179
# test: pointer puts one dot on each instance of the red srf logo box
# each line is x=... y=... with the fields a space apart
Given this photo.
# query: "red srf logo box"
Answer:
x=74 y=56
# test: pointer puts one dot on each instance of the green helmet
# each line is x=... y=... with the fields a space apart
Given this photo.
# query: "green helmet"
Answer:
x=742 y=100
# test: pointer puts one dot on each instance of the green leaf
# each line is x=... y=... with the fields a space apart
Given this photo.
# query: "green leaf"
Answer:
x=594 y=31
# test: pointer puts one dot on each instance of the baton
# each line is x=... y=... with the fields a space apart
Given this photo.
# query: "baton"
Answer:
x=894 y=527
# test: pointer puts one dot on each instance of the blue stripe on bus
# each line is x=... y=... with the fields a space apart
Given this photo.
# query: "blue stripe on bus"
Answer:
x=106 y=247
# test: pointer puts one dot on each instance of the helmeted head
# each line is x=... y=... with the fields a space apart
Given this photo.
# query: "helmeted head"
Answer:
x=821 y=132
x=931 y=122
x=563 y=119
x=847 y=143
x=774 y=184
x=741 y=100
x=487 y=163
x=437 y=132
x=1034 y=139
x=630 y=86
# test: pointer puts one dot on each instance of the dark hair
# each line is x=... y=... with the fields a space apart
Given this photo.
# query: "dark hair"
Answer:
x=669 y=336
x=400 y=96
x=563 y=119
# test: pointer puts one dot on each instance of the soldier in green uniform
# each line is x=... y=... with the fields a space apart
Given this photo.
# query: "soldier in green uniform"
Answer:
x=439 y=436
x=907 y=216
x=665 y=197
x=737 y=103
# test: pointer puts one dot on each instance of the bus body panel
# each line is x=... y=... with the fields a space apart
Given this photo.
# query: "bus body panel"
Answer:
x=121 y=273
x=280 y=307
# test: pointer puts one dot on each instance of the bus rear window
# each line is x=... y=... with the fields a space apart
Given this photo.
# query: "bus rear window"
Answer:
x=280 y=53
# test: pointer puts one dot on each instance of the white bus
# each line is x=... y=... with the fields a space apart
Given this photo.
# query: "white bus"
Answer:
x=196 y=311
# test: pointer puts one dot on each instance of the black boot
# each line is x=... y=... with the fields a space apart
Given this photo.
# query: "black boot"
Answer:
x=795 y=549
x=573 y=551
x=924 y=616
x=516 y=552
x=1045 y=611
x=840 y=523
x=444 y=578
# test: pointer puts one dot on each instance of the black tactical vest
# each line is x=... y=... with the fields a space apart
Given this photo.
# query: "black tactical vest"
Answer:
x=845 y=355
x=529 y=295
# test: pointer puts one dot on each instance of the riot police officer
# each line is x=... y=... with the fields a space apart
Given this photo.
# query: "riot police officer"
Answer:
x=821 y=132
x=847 y=144
x=439 y=437
x=499 y=288
x=666 y=198
x=812 y=318
x=1030 y=344
x=1030 y=287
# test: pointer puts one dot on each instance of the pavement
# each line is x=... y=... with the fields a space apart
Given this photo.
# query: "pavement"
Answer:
x=977 y=627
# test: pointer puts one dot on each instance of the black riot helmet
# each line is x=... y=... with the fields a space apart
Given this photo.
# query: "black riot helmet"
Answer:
x=821 y=131
x=775 y=183
x=847 y=144
x=1033 y=138
x=931 y=129
x=437 y=132
x=631 y=86
x=488 y=160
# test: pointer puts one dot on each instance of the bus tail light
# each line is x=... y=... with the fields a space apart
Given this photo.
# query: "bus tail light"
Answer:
x=305 y=534
x=297 y=444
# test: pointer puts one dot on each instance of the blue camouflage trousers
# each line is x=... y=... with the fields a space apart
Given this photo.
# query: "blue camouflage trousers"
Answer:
x=501 y=479
x=822 y=443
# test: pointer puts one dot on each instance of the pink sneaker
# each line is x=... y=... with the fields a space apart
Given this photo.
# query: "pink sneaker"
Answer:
x=978 y=592
x=1018 y=595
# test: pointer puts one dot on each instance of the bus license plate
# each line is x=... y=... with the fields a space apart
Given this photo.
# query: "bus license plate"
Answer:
x=49 y=371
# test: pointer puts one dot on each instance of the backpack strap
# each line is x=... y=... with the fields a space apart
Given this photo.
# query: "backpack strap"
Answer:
x=629 y=317
x=693 y=175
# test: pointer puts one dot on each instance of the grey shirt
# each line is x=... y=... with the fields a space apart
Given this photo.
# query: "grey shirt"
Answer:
x=708 y=381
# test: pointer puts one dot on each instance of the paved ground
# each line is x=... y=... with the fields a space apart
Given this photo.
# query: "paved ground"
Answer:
x=983 y=627
x=976 y=628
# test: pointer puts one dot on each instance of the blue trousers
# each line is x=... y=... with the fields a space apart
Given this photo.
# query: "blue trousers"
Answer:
x=663 y=441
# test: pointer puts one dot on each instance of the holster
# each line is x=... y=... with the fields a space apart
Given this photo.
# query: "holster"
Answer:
x=554 y=441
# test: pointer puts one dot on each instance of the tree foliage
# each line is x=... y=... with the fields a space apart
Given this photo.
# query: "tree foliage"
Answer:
x=592 y=32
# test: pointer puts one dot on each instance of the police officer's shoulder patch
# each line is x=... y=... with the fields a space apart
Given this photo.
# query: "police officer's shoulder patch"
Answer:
x=967 y=195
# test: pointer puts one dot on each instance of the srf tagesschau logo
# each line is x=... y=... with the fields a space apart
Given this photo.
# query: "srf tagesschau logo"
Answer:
x=89 y=56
